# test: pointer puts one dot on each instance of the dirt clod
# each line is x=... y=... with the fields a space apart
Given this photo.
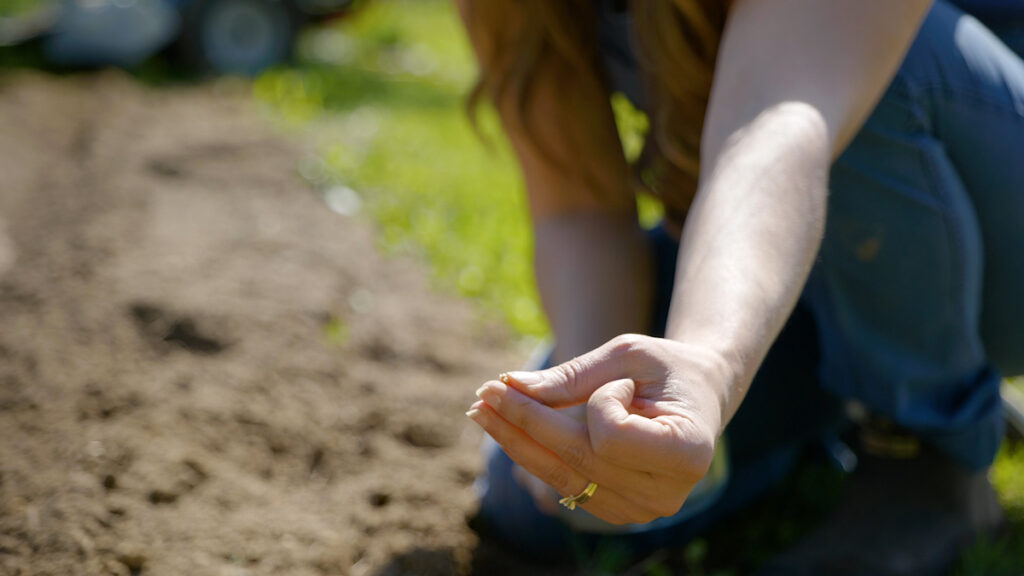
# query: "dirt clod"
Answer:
x=426 y=435
x=380 y=499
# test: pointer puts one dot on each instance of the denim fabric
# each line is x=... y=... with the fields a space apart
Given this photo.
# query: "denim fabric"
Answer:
x=916 y=289
x=913 y=305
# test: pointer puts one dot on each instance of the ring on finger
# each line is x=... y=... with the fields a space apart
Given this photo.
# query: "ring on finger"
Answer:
x=571 y=502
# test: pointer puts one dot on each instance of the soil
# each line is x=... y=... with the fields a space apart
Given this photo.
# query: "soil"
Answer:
x=203 y=370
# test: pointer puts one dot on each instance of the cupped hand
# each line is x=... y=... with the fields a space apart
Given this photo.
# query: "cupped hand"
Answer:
x=654 y=414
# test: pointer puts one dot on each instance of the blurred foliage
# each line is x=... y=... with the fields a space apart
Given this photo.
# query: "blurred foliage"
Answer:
x=13 y=17
x=16 y=7
x=1003 y=556
x=392 y=79
x=388 y=84
x=633 y=126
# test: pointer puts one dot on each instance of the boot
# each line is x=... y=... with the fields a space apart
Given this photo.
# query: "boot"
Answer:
x=908 y=510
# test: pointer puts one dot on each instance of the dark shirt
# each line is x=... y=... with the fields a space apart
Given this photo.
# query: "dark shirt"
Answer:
x=618 y=51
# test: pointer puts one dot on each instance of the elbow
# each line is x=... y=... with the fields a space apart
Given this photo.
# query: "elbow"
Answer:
x=808 y=144
x=799 y=127
x=789 y=140
x=796 y=130
x=781 y=159
x=803 y=120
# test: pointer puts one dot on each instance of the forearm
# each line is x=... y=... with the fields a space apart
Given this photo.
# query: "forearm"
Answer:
x=751 y=236
x=594 y=278
x=789 y=93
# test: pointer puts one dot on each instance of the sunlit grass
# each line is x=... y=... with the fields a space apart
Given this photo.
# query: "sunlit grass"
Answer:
x=17 y=7
x=1003 y=556
x=393 y=79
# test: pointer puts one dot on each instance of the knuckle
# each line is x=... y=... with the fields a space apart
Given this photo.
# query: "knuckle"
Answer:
x=575 y=456
x=697 y=458
x=558 y=478
x=516 y=408
x=606 y=439
x=572 y=373
x=601 y=444
x=511 y=445
x=633 y=352
x=695 y=449
x=648 y=488
x=626 y=343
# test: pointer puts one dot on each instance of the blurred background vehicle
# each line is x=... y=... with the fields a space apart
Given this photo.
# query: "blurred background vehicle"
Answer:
x=239 y=37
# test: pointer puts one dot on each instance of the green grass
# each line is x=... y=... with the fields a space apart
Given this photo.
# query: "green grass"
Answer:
x=18 y=7
x=390 y=81
x=14 y=15
x=393 y=79
x=1005 y=556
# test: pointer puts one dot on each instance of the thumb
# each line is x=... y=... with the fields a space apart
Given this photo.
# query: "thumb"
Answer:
x=621 y=436
x=572 y=382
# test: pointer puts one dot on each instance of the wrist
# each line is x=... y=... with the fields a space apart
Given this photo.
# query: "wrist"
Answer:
x=723 y=378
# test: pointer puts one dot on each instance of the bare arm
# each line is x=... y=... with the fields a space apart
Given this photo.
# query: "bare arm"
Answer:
x=794 y=81
x=590 y=257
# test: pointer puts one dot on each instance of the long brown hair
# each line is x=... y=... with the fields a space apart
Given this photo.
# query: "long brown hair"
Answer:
x=677 y=40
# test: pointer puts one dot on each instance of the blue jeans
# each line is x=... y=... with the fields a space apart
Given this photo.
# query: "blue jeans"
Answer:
x=914 y=307
x=917 y=288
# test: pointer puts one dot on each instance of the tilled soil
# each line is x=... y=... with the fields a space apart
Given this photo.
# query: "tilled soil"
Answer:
x=205 y=371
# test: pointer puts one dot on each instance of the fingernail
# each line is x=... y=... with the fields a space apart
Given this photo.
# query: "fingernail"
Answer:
x=474 y=410
x=522 y=377
x=491 y=394
x=492 y=398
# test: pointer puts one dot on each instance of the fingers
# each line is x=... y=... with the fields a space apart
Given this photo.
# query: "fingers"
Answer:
x=559 y=432
x=665 y=446
x=623 y=437
x=574 y=381
x=624 y=430
x=552 y=429
x=606 y=504
x=615 y=444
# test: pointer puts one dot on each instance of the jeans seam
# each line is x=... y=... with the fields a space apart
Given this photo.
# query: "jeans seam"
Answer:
x=925 y=97
x=956 y=271
x=956 y=281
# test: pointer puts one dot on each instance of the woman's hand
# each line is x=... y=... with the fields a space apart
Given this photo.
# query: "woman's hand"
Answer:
x=653 y=418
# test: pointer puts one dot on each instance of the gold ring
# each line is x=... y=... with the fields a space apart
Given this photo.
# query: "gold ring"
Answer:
x=571 y=502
